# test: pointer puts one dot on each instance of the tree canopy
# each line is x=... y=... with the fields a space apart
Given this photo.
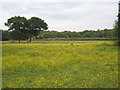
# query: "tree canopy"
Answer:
x=18 y=27
x=35 y=26
x=118 y=29
x=21 y=28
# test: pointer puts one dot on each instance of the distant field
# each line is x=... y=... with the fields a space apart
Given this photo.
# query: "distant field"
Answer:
x=68 y=39
x=77 y=39
x=60 y=65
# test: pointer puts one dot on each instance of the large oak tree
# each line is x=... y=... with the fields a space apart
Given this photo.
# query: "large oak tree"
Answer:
x=21 y=28
x=18 y=27
x=35 y=26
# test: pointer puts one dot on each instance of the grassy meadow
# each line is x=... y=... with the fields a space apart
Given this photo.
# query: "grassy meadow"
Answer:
x=60 y=65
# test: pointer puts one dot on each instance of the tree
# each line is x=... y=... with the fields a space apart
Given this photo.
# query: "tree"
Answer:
x=16 y=35
x=18 y=26
x=118 y=29
x=117 y=26
x=35 y=26
x=5 y=35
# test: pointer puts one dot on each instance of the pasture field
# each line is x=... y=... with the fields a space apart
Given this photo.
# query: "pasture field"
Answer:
x=60 y=65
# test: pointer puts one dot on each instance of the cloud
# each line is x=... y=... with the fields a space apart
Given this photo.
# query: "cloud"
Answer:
x=59 y=0
x=64 y=15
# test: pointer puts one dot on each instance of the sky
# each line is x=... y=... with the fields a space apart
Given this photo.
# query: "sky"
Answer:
x=63 y=15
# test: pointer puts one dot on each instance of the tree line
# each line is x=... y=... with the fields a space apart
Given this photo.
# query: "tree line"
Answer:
x=108 y=33
x=102 y=34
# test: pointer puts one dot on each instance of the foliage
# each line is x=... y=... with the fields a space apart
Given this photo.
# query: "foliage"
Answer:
x=118 y=29
x=16 y=35
x=60 y=65
x=35 y=26
x=106 y=33
x=18 y=26
x=22 y=29
x=5 y=35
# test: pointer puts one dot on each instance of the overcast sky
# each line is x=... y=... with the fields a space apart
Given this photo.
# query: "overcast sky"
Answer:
x=60 y=15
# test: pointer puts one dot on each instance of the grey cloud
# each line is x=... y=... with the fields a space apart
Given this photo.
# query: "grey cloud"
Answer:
x=64 y=15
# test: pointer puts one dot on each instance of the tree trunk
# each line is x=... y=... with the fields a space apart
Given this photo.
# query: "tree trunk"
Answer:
x=19 y=40
x=30 y=40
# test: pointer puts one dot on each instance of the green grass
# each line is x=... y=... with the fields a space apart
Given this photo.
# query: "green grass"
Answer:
x=77 y=39
x=60 y=65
